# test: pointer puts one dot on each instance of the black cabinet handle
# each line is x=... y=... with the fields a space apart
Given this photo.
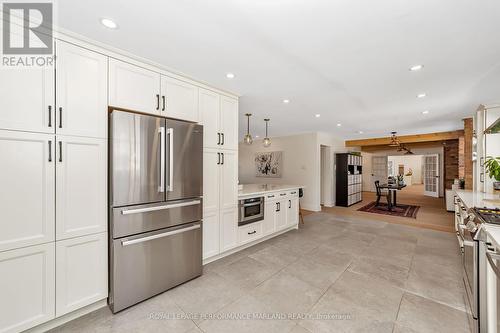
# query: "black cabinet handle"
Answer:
x=157 y=101
x=222 y=139
x=282 y=194
x=50 y=150
x=163 y=101
x=60 y=151
x=218 y=158
x=270 y=196
x=218 y=138
x=253 y=232
x=289 y=203
x=278 y=207
x=50 y=115
x=222 y=158
x=60 y=117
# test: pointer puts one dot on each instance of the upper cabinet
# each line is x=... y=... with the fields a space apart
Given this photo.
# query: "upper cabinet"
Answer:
x=134 y=88
x=81 y=91
x=179 y=99
x=219 y=115
x=27 y=102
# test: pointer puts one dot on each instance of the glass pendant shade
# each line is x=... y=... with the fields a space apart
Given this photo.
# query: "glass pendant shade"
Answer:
x=248 y=137
x=266 y=142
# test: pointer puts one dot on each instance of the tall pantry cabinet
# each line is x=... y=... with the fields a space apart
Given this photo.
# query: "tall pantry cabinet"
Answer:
x=53 y=138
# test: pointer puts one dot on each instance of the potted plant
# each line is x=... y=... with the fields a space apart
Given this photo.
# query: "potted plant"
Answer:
x=400 y=179
x=492 y=166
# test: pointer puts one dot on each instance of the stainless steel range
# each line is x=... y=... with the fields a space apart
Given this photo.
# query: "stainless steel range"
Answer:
x=155 y=205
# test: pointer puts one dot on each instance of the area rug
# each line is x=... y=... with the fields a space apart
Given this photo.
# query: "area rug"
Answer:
x=401 y=210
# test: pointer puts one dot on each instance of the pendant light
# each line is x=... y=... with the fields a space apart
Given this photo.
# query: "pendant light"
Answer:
x=248 y=138
x=394 y=140
x=266 y=142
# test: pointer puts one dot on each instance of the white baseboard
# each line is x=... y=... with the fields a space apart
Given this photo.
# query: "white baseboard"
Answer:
x=313 y=208
x=68 y=317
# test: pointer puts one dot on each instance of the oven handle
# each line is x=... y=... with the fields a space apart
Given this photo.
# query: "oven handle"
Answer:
x=252 y=204
x=165 y=234
x=490 y=257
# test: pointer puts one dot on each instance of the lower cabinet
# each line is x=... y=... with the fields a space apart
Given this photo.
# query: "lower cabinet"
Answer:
x=269 y=223
x=249 y=232
x=292 y=211
x=228 y=229
x=281 y=214
x=27 y=287
x=211 y=234
x=81 y=272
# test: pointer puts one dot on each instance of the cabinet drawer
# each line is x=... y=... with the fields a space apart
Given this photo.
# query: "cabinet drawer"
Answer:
x=282 y=195
x=293 y=193
x=272 y=196
x=249 y=232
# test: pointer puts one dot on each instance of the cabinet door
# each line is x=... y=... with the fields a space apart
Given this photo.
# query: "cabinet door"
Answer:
x=211 y=234
x=211 y=184
x=81 y=272
x=228 y=229
x=81 y=169
x=292 y=210
x=229 y=122
x=27 y=102
x=27 y=288
x=210 y=118
x=229 y=179
x=134 y=88
x=81 y=91
x=27 y=179
x=269 y=218
x=179 y=99
x=281 y=214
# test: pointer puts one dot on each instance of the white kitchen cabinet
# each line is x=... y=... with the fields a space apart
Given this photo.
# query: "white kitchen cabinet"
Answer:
x=81 y=91
x=269 y=223
x=228 y=229
x=249 y=233
x=27 y=287
x=134 y=88
x=81 y=191
x=228 y=122
x=229 y=179
x=209 y=106
x=27 y=102
x=81 y=272
x=179 y=99
x=211 y=234
x=281 y=214
x=211 y=180
x=27 y=178
x=292 y=210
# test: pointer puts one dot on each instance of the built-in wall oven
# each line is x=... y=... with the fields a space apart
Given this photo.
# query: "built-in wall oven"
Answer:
x=250 y=210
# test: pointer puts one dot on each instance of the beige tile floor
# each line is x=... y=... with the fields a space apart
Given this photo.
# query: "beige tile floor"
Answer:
x=334 y=274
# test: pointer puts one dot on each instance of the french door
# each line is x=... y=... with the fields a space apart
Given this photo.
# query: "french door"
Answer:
x=379 y=170
x=431 y=175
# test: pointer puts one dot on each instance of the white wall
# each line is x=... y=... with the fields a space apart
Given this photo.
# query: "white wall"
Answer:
x=367 y=171
x=409 y=161
x=301 y=164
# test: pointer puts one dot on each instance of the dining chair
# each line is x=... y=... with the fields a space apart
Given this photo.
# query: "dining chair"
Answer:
x=385 y=193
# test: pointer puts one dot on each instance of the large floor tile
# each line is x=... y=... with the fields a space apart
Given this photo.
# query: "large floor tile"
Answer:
x=247 y=272
x=380 y=268
x=319 y=275
x=423 y=315
x=330 y=256
x=287 y=294
x=275 y=256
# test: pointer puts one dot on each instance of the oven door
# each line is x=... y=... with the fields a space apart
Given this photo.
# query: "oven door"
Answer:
x=470 y=268
x=250 y=212
x=493 y=290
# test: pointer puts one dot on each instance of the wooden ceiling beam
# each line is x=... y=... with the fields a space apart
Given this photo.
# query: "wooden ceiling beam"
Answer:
x=430 y=137
x=414 y=145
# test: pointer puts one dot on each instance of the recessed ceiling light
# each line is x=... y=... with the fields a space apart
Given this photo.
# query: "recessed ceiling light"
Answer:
x=421 y=95
x=317 y=115
x=286 y=101
x=416 y=68
x=339 y=124
x=425 y=112
x=109 y=23
x=256 y=136
x=230 y=75
x=360 y=132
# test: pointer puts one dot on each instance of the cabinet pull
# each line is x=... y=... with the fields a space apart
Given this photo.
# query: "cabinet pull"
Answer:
x=282 y=194
x=289 y=203
x=222 y=158
x=163 y=101
x=253 y=232
x=60 y=151
x=222 y=139
x=60 y=117
x=218 y=138
x=481 y=177
x=50 y=115
x=270 y=196
x=50 y=150
x=278 y=207
x=218 y=158
x=157 y=101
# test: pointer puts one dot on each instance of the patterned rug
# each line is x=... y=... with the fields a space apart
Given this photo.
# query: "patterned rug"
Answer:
x=401 y=210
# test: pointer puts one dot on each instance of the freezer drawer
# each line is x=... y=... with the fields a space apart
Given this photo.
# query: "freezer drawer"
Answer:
x=127 y=221
x=148 y=264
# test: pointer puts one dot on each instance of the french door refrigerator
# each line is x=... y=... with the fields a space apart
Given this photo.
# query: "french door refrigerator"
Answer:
x=156 y=179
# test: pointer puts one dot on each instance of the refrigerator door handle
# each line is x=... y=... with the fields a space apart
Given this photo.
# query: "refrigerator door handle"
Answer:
x=170 y=132
x=156 y=208
x=165 y=234
x=161 y=187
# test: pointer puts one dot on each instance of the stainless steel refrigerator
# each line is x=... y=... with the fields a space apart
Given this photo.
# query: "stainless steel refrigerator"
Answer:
x=156 y=179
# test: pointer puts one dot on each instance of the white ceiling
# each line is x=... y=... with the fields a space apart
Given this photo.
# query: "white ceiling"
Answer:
x=347 y=60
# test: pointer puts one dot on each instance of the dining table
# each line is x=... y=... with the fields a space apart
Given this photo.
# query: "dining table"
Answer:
x=393 y=188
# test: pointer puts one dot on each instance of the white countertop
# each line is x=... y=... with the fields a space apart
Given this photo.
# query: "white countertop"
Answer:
x=494 y=233
x=473 y=199
x=257 y=189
